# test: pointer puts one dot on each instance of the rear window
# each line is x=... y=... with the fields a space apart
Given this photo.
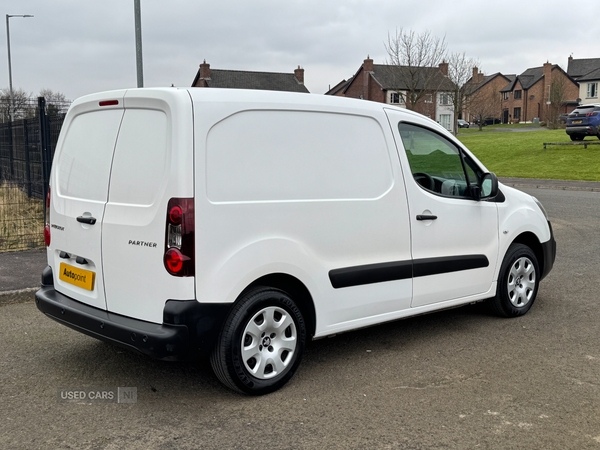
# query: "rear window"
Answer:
x=584 y=110
x=141 y=158
x=85 y=157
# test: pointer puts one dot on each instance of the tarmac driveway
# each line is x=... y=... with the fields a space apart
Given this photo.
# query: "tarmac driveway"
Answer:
x=460 y=379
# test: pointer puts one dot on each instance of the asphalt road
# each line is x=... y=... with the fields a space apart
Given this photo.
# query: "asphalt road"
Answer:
x=460 y=379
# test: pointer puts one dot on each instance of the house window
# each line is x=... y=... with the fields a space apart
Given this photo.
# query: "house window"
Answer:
x=446 y=122
x=518 y=95
x=428 y=98
x=505 y=96
x=396 y=98
x=444 y=99
x=517 y=114
x=592 y=90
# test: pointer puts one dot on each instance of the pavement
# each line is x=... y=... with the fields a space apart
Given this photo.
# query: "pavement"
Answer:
x=20 y=272
x=20 y=275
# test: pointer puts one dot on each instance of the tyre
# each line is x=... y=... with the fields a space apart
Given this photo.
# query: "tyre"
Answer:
x=577 y=137
x=261 y=343
x=518 y=282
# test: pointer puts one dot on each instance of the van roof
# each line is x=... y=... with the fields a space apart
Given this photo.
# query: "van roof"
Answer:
x=252 y=95
x=248 y=96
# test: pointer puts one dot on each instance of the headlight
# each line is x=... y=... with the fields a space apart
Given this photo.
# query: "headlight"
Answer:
x=541 y=207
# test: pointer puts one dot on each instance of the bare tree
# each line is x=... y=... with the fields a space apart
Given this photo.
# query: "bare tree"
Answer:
x=413 y=61
x=484 y=104
x=460 y=72
x=557 y=102
x=21 y=104
x=55 y=101
x=51 y=96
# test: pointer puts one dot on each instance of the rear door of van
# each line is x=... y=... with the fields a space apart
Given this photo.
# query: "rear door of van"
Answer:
x=121 y=161
x=78 y=194
x=152 y=163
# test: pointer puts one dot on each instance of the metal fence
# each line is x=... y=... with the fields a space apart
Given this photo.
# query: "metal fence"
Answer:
x=26 y=148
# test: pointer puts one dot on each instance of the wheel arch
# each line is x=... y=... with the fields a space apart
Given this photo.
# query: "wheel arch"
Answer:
x=531 y=240
x=296 y=289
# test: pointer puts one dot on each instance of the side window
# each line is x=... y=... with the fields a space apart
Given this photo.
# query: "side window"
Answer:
x=436 y=163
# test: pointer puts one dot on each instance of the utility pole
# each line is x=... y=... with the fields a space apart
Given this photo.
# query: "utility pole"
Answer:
x=138 y=43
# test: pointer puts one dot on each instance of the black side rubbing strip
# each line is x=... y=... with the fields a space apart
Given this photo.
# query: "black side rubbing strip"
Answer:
x=370 y=273
x=401 y=270
x=435 y=266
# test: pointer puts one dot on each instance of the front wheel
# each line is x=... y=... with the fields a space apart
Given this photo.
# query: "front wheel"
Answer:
x=577 y=137
x=261 y=344
x=518 y=282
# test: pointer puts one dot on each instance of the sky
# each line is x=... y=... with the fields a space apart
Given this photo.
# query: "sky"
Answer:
x=78 y=47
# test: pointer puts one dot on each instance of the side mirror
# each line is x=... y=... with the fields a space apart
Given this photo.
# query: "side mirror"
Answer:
x=489 y=186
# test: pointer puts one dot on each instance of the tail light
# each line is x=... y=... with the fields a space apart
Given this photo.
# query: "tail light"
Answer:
x=47 y=220
x=179 y=240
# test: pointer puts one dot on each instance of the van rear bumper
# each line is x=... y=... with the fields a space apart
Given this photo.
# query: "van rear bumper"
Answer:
x=188 y=329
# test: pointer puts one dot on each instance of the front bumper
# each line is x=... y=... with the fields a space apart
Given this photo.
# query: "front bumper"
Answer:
x=549 y=252
x=188 y=327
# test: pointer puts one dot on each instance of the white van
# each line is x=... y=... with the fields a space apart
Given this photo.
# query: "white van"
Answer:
x=243 y=223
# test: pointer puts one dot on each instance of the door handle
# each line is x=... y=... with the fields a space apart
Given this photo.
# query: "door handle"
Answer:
x=426 y=217
x=86 y=219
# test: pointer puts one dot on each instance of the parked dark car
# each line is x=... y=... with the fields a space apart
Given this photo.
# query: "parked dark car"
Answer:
x=584 y=121
x=462 y=123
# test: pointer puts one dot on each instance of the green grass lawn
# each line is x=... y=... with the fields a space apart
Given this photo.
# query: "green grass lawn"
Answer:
x=498 y=127
x=522 y=154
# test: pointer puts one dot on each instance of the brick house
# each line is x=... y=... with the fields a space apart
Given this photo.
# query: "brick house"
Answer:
x=527 y=96
x=587 y=73
x=378 y=83
x=483 y=87
x=242 y=79
x=338 y=89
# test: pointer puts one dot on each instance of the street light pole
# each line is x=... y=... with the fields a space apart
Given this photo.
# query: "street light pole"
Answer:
x=8 y=16
x=138 y=43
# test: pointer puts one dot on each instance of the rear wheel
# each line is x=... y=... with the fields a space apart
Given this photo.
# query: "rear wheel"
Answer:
x=518 y=282
x=577 y=137
x=261 y=344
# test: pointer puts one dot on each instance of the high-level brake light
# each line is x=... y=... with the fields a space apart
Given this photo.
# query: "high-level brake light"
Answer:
x=109 y=102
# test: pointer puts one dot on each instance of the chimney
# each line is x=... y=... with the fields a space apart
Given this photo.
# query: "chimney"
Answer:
x=204 y=71
x=299 y=74
x=367 y=71
x=444 y=68
x=477 y=75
